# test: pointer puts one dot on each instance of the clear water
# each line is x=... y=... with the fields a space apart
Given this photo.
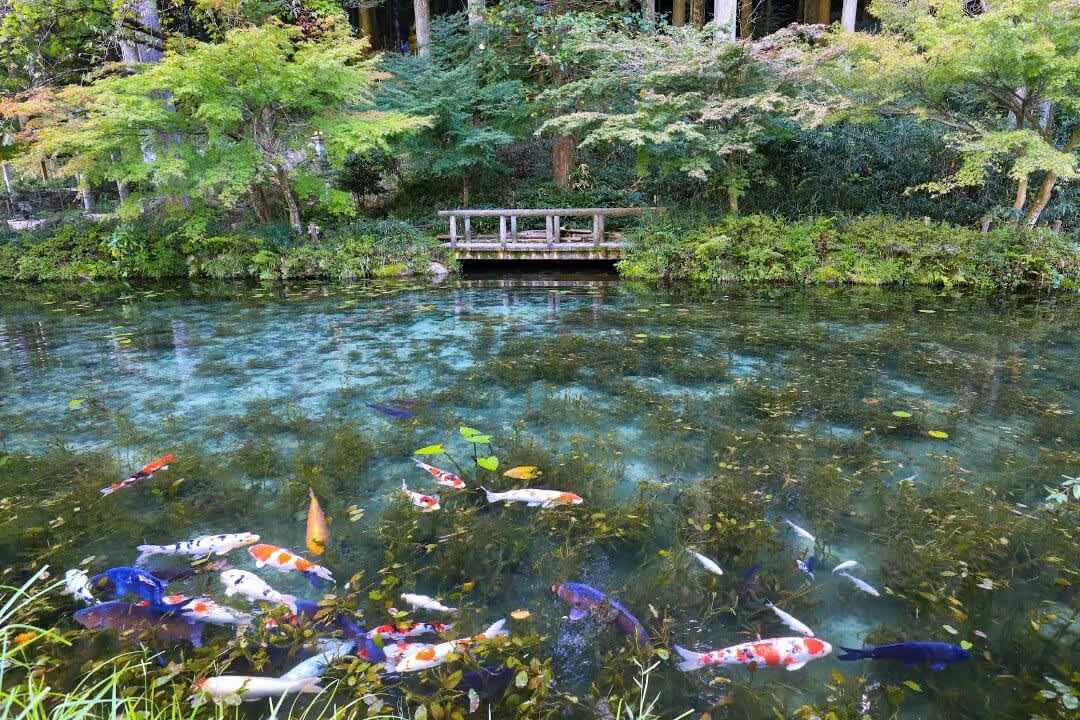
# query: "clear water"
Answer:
x=664 y=409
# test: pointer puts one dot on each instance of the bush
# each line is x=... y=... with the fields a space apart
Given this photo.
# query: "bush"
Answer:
x=871 y=250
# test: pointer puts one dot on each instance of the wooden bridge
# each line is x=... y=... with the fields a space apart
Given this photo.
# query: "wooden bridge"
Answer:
x=555 y=241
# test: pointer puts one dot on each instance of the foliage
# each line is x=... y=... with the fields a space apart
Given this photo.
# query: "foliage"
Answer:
x=219 y=122
x=1003 y=79
x=51 y=43
x=873 y=250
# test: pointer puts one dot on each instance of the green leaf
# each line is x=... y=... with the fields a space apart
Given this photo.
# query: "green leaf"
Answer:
x=521 y=679
x=430 y=450
x=913 y=685
x=901 y=413
x=965 y=644
x=488 y=462
x=467 y=432
x=479 y=439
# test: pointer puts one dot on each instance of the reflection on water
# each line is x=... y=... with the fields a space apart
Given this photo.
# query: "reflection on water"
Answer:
x=714 y=414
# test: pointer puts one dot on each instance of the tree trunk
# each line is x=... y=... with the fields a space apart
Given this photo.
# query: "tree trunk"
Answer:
x=86 y=193
x=1047 y=187
x=422 y=10
x=697 y=13
x=1021 y=194
x=290 y=200
x=724 y=18
x=824 y=11
x=122 y=190
x=7 y=178
x=746 y=18
x=476 y=12
x=368 y=25
x=466 y=186
x=678 y=13
x=847 y=16
x=733 y=201
x=650 y=10
x=261 y=205
x=562 y=159
x=141 y=45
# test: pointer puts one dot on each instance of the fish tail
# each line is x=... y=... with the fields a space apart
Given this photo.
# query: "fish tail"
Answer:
x=308 y=685
x=855 y=654
x=314 y=579
x=491 y=497
x=146 y=551
x=496 y=629
x=691 y=660
x=196 y=634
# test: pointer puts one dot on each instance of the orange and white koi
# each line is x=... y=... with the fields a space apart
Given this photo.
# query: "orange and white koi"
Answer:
x=318 y=533
x=427 y=503
x=788 y=652
x=534 y=498
x=407 y=630
x=424 y=602
x=285 y=561
x=411 y=657
x=206 y=610
x=145 y=473
x=204 y=545
x=447 y=479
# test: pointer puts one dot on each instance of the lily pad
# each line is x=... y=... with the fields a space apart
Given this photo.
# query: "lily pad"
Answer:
x=430 y=450
x=488 y=462
x=901 y=413
x=965 y=644
x=938 y=434
x=913 y=685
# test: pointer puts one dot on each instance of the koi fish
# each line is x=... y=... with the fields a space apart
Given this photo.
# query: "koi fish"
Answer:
x=204 y=545
x=389 y=411
x=145 y=473
x=790 y=620
x=938 y=654
x=862 y=585
x=407 y=630
x=442 y=477
x=427 y=503
x=800 y=532
x=846 y=565
x=249 y=687
x=534 y=498
x=523 y=472
x=584 y=599
x=318 y=534
x=330 y=652
x=424 y=602
x=206 y=610
x=419 y=656
x=789 y=652
x=285 y=561
x=77 y=584
x=254 y=588
x=707 y=563
x=808 y=566
x=131 y=581
x=124 y=617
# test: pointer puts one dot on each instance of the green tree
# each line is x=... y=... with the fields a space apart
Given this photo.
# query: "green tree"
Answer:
x=53 y=42
x=264 y=111
x=1003 y=76
x=684 y=100
x=472 y=113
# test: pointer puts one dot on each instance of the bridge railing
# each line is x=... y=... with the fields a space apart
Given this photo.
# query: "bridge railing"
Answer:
x=554 y=232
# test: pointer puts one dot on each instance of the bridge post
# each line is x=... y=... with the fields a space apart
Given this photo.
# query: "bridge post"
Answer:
x=453 y=231
x=468 y=229
x=556 y=223
x=597 y=229
x=548 y=224
x=502 y=231
x=513 y=228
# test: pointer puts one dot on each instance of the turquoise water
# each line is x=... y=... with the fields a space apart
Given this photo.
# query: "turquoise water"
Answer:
x=878 y=420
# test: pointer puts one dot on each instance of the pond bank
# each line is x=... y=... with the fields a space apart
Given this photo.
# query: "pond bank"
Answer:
x=868 y=250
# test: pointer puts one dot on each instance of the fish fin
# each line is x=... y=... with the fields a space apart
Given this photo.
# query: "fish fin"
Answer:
x=854 y=654
x=309 y=685
x=259 y=564
x=289 y=601
x=938 y=666
x=496 y=629
x=536 y=504
x=691 y=660
x=796 y=666
x=314 y=579
x=196 y=634
x=577 y=613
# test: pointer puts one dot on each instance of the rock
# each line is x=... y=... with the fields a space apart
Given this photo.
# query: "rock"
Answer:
x=438 y=270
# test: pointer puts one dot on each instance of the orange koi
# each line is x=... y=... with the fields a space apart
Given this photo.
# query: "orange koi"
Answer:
x=318 y=534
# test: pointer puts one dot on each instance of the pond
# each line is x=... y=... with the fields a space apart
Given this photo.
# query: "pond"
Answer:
x=915 y=432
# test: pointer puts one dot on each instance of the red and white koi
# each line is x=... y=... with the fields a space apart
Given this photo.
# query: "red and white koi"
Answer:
x=707 y=563
x=447 y=479
x=204 y=545
x=147 y=472
x=427 y=503
x=286 y=561
x=423 y=602
x=790 y=620
x=411 y=657
x=407 y=630
x=204 y=609
x=534 y=498
x=788 y=652
x=255 y=589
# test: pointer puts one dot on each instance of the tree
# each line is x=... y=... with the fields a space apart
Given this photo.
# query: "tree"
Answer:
x=53 y=42
x=685 y=101
x=239 y=120
x=422 y=13
x=471 y=115
x=1003 y=78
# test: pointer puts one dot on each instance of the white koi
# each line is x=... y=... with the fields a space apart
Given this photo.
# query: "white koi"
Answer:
x=329 y=653
x=204 y=545
x=534 y=498
x=846 y=565
x=77 y=584
x=707 y=563
x=249 y=687
x=790 y=620
x=255 y=589
x=804 y=534
x=862 y=585
x=424 y=602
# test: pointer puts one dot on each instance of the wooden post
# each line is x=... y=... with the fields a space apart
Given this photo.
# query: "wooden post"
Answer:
x=453 y=231
x=513 y=228
x=468 y=229
x=547 y=229
x=598 y=229
x=502 y=231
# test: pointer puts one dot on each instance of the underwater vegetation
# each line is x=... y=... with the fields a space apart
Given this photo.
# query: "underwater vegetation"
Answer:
x=929 y=438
